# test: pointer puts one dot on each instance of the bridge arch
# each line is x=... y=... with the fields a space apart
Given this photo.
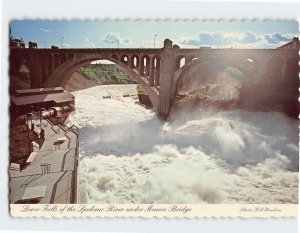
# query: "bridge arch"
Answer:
x=63 y=72
x=182 y=72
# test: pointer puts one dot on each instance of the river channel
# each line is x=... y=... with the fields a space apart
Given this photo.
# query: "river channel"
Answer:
x=127 y=155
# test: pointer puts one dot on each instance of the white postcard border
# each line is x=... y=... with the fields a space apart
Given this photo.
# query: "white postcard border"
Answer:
x=154 y=210
x=216 y=225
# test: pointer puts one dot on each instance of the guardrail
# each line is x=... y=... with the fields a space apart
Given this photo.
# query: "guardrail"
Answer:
x=75 y=130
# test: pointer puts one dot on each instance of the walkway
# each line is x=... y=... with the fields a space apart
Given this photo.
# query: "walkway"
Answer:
x=59 y=185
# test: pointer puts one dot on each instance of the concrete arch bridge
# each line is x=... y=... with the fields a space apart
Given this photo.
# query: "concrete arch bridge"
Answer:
x=159 y=71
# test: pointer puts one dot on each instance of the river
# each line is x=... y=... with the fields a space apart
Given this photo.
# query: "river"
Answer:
x=127 y=155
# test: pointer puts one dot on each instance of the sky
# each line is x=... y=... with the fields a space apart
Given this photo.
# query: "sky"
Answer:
x=147 y=34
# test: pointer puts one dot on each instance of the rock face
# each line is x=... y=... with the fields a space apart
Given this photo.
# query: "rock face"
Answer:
x=144 y=99
x=78 y=82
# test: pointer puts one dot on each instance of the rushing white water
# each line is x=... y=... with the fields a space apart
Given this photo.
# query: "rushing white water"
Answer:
x=129 y=156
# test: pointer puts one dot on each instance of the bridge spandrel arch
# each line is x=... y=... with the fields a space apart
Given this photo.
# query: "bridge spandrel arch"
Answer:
x=134 y=62
x=125 y=59
x=155 y=70
x=180 y=61
x=145 y=65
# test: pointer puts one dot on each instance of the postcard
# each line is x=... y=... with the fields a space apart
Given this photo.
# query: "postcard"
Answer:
x=153 y=118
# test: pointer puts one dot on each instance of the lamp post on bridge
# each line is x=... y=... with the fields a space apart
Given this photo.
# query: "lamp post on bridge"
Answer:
x=154 y=40
x=61 y=41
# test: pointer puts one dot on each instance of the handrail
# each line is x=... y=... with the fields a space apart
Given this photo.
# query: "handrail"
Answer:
x=75 y=130
x=76 y=172
x=72 y=128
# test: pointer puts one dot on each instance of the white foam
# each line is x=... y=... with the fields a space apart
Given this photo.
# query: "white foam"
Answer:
x=129 y=156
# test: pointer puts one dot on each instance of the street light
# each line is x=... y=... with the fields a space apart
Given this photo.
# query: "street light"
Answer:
x=45 y=43
x=118 y=43
x=154 y=39
x=61 y=41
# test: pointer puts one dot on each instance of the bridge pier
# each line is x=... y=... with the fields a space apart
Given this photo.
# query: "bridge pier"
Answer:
x=166 y=76
x=141 y=66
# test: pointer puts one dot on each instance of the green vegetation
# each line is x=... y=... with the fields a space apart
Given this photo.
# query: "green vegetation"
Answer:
x=106 y=74
x=140 y=89
x=234 y=72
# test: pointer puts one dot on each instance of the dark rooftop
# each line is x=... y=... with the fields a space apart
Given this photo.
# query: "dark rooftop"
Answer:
x=35 y=91
x=60 y=97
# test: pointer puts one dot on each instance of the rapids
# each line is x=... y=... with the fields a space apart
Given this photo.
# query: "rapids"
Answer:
x=127 y=155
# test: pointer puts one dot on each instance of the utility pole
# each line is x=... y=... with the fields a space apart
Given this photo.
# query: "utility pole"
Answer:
x=61 y=41
x=154 y=39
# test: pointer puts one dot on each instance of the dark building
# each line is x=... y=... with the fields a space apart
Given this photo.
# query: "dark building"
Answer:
x=16 y=43
x=29 y=100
